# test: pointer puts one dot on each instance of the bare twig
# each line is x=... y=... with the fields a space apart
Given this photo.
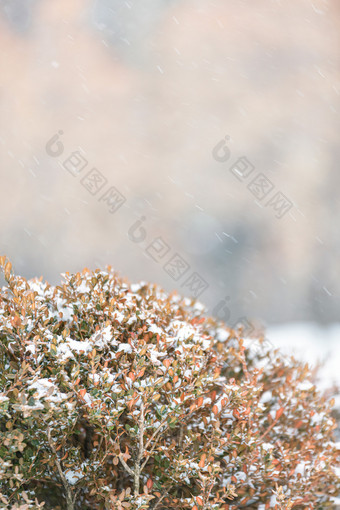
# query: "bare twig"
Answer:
x=151 y=451
x=140 y=452
x=155 y=433
x=166 y=493
x=181 y=435
x=274 y=422
x=68 y=492
x=126 y=467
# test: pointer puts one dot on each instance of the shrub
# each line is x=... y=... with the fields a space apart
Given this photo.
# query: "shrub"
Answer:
x=118 y=396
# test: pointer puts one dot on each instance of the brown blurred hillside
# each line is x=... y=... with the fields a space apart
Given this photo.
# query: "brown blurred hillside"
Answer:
x=145 y=91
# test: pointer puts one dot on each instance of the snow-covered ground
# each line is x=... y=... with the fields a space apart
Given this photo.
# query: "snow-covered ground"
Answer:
x=313 y=343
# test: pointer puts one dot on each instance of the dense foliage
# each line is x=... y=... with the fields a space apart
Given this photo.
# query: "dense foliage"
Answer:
x=118 y=396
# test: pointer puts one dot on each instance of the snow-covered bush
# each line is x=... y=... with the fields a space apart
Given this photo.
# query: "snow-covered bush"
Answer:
x=118 y=396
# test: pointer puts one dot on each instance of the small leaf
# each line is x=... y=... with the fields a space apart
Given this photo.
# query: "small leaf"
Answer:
x=202 y=461
x=279 y=413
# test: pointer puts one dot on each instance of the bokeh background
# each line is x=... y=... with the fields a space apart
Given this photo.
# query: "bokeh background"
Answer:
x=144 y=90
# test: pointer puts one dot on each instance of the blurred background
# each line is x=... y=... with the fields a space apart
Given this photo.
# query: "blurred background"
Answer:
x=117 y=112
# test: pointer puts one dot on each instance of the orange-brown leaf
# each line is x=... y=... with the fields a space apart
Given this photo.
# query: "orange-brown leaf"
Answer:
x=279 y=413
x=200 y=401
x=202 y=461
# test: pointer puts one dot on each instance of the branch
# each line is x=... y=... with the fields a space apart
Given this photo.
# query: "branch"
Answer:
x=140 y=451
x=166 y=493
x=250 y=503
x=128 y=469
x=275 y=421
x=68 y=491
x=155 y=433
x=181 y=434
x=150 y=452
